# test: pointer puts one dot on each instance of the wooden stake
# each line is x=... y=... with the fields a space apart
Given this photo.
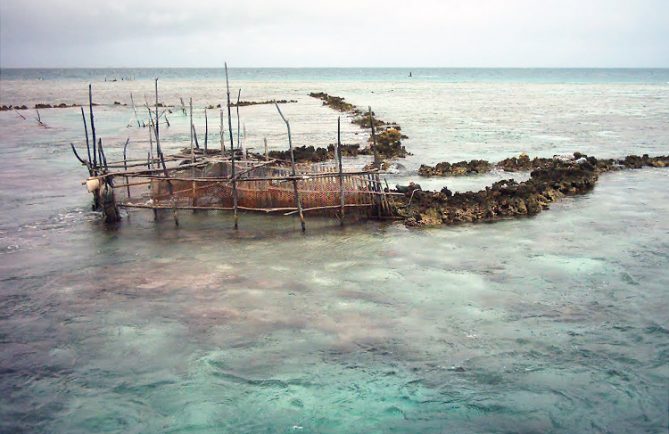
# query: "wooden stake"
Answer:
x=206 y=131
x=377 y=162
x=157 y=118
x=266 y=152
x=125 y=161
x=239 y=143
x=232 y=148
x=194 y=135
x=39 y=119
x=192 y=150
x=88 y=146
x=292 y=169
x=150 y=143
x=221 y=133
x=85 y=163
x=162 y=161
x=132 y=100
x=342 y=199
x=103 y=158
x=192 y=132
x=90 y=107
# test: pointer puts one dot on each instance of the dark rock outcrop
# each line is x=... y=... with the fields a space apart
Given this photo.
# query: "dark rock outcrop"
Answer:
x=455 y=169
x=555 y=178
x=388 y=134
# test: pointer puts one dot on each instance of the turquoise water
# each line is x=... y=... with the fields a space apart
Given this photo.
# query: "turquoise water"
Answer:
x=556 y=323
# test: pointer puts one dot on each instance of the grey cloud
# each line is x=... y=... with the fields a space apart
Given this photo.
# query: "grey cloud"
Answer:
x=336 y=33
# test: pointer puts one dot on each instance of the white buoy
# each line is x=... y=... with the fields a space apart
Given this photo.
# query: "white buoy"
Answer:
x=92 y=184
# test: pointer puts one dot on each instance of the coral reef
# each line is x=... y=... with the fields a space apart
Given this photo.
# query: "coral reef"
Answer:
x=554 y=179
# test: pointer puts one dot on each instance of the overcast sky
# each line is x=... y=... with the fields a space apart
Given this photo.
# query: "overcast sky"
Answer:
x=193 y=33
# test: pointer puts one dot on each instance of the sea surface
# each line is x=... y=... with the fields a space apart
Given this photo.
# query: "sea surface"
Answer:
x=554 y=323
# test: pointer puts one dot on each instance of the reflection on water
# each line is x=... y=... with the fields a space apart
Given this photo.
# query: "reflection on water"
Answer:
x=551 y=323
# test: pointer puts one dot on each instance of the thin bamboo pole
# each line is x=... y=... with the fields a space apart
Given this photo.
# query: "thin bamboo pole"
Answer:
x=333 y=207
x=232 y=148
x=157 y=115
x=221 y=133
x=90 y=107
x=292 y=169
x=192 y=150
x=287 y=178
x=81 y=160
x=150 y=144
x=206 y=131
x=125 y=164
x=377 y=162
x=88 y=146
x=287 y=210
x=342 y=199
x=169 y=184
x=103 y=159
x=134 y=109
x=239 y=143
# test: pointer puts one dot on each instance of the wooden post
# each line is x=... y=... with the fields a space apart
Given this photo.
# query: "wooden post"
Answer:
x=90 y=107
x=150 y=144
x=222 y=135
x=239 y=142
x=192 y=151
x=81 y=160
x=377 y=162
x=88 y=146
x=132 y=100
x=39 y=119
x=266 y=152
x=125 y=163
x=244 y=141
x=292 y=170
x=157 y=115
x=169 y=184
x=103 y=158
x=232 y=148
x=193 y=133
x=206 y=131
x=342 y=199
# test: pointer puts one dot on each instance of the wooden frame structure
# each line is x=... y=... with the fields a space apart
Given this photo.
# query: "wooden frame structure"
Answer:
x=225 y=179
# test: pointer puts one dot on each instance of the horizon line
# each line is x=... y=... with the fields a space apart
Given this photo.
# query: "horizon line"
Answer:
x=335 y=67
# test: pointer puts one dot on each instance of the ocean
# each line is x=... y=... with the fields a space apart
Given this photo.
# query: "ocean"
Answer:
x=553 y=323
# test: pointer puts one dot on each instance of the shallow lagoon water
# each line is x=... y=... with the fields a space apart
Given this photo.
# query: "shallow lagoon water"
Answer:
x=552 y=323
